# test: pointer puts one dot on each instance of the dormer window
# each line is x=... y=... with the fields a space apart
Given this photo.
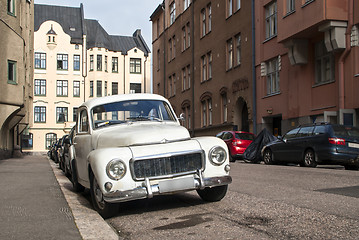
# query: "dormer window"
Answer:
x=51 y=36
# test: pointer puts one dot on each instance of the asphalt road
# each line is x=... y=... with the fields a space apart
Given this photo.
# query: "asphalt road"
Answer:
x=263 y=202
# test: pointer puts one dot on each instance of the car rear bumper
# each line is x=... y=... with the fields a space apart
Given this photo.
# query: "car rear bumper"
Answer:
x=149 y=190
x=340 y=158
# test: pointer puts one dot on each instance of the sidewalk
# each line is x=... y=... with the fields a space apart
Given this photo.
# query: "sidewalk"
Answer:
x=37 y=202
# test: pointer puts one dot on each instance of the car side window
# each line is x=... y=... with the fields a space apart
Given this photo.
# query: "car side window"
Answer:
x=319 y=130
x=291 y=133
x=305 y=132
x=83 y=122
x=220 y=135
x=227 y=136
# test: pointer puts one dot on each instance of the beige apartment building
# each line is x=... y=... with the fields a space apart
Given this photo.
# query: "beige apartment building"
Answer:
x=16 y=72
x=75 y=60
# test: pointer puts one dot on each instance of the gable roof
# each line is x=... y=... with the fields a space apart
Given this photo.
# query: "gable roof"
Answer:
x=72 y=21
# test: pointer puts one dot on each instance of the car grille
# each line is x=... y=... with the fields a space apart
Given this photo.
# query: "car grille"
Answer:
x=167 y=166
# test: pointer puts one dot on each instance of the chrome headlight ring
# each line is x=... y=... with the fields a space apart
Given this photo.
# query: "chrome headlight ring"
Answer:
x=116 y=169
x=217 y=155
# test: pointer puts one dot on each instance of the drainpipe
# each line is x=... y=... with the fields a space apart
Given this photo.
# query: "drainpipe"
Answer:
x=192 y=70
x=144 y=75
x=254 y=83
x=164 y=49
x=124 y=74
x=344 y=56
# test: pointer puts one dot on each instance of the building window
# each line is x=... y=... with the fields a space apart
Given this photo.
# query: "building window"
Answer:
x=76 y=88
x=238 y=5
x=99 y=88
x=169 y=50
x=105 y=94
x=207 y=112
x=290 y=6
x=135 y=65
x=224 y=107
x=11 y=7
x=173 y=47
x=62 y=88
x=11 y=72
x=184 y=38
x=209 y=59
x=135 y=87
x=158 y=60
x=172 y=12
x=272 y=76
x=229 y=54
x=203 y=22
x=114 y=64
x=186 y=109
x=229 y=8
x=204 y=68
x=40 y=114
x=27 y=141
x=172 y=85
x=62 y=62
x=91 y=62
x=74 y=114
x=209 y=9
x=40 y=87
x=49 y=139
x=271 y=19
x=114 y=88
x=189 y=76
x=99 y=62
x=76 y=62
x=238 y=49
x=105 y=63
x=91 y=88
x=40 y=60
x=324 y=64
x=61 y=114
x=188 y=35
x=186 y=4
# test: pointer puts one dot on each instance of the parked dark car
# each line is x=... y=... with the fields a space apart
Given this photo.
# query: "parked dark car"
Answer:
x=237 y=142
x=53 y=151
x=68 y=152
x=321 y=143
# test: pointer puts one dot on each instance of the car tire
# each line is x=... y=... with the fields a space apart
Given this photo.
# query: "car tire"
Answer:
x=309 y=159
x=231 y=159
x=213 y=194
x=105 y=209
x=75 y=184
x=268 y=157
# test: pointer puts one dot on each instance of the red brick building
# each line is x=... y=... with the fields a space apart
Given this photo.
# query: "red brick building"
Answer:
x=202 y=53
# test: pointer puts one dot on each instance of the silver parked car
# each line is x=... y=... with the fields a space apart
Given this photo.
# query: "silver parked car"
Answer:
x=132 y=146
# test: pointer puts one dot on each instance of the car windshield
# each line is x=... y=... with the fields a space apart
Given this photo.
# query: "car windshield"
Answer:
x=341 y=130
x=245 y=136
x=130 y=111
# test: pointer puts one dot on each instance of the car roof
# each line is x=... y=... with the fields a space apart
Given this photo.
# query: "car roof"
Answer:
x=122 y=97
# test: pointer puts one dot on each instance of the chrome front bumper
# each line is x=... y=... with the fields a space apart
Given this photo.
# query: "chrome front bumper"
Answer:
x=166 y=186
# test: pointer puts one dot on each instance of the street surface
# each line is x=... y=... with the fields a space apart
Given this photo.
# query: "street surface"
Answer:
x=263 y=202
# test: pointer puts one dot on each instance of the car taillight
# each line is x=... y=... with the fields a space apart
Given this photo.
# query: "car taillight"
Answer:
x=337 y=141
x=236 y=142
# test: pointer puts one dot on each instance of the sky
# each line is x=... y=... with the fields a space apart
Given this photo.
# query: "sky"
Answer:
x=117 y=17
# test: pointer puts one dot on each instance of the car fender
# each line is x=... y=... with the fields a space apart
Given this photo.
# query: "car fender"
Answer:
x=207 y=143
x=98 y=160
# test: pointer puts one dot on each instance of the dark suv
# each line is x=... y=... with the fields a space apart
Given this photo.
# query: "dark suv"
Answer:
x=320 y=143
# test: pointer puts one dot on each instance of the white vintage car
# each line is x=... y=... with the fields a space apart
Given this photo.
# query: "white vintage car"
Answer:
x=132 y=146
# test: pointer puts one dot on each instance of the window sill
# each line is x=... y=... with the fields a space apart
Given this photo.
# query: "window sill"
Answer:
x=12 y=82
x=271 y=95
x=322 y=83
x=289 y=13
x=270 y=38
x=307 y=3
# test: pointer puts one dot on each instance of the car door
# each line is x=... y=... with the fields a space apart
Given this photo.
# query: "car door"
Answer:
x=284 y=149
x=303 y=140
x=227 y=138
x=82 y=144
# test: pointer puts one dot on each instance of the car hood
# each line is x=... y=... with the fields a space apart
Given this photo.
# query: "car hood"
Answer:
x=136 y=134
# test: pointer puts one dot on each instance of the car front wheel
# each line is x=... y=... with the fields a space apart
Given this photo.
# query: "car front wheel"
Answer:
x=105 y=209
x=309 y=159
x=268 y=157
x=213 y=194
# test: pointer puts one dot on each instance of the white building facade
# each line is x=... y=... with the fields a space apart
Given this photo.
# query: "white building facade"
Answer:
x=75 y=60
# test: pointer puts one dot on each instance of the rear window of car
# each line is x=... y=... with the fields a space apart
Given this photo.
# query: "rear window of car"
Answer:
x=340 y=130
x=305 y=131
x=245 y=136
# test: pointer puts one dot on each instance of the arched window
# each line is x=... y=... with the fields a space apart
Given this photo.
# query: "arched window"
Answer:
x=49 y=139
x=206 y=109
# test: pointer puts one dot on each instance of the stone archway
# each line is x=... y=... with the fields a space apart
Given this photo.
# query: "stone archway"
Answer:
x=241 y=115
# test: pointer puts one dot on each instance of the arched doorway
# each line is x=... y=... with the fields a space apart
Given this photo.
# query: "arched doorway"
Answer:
x=241 y=116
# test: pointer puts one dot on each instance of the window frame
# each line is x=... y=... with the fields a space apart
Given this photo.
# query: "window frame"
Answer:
x=271 y=20
x=115 y=64
x=76 y=63
x=40 y=60
x=98 y=88
x=99 y=62
x=135 y=66
x=272 y=76
x=63 y=60
x=62 y=90
x=40 y=87
x=40 y=114
x=60 y=110
x=76 y=88
x=11 y=72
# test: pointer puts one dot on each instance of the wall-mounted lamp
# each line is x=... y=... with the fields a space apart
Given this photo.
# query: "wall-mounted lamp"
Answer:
x=270 y=110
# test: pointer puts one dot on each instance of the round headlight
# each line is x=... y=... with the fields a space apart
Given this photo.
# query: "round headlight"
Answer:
x=217 y=155
x=116 y=169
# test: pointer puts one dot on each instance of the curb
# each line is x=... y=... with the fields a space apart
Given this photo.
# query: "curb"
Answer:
x=89 y=223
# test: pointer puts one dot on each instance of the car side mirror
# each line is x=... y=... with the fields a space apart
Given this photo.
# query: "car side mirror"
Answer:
x=182 y=117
